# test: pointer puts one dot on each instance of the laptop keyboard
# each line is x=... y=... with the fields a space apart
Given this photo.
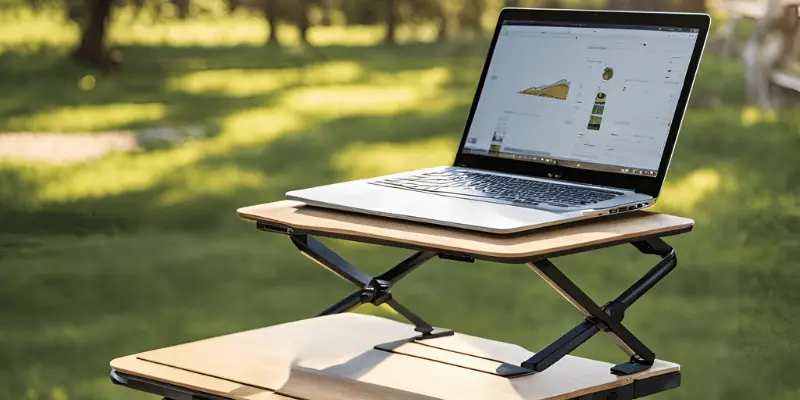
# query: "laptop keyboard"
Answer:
x=504 y=188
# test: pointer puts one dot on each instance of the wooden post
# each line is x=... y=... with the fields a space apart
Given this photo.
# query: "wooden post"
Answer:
x=760 y=58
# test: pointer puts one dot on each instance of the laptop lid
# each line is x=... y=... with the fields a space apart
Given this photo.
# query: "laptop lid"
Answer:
x=594 y=97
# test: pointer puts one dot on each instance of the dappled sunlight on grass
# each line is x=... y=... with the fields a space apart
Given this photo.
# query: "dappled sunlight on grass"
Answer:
x=114 y=175
x=369 y=35
x=88 y=118
x=256 y=126
x=231 y=82
x=175 y=168
x=193 y=32
x=402 y=92
x=361 y=160
x=754 y=116
x=249 y=82
x=332 y=101
x=684 y=195
x=22 y=29
x=222 y=180
x=174 y=172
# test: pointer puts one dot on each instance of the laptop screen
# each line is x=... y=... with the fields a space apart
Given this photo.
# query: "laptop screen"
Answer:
x=598 y=97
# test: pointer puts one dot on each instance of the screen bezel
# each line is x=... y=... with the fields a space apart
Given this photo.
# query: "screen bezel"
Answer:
x=641 y=184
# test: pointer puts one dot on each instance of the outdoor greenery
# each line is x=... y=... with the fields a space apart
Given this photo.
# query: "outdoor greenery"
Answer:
x=136 y=251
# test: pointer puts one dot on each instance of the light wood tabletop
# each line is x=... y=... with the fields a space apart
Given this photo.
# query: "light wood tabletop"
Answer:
x=551 y=241
x=333 y=357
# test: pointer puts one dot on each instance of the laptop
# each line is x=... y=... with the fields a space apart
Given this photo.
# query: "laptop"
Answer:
x=576 y=116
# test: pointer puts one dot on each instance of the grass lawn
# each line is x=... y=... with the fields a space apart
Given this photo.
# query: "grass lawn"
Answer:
x=136 y=251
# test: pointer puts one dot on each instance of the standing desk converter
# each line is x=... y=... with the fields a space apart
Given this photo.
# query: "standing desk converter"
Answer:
x=351 y=356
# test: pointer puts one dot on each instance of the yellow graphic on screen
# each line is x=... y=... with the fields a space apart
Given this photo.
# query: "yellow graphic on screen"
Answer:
x=558 y=90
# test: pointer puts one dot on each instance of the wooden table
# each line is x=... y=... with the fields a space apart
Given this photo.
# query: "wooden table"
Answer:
x=346 y=356
x=332 y=357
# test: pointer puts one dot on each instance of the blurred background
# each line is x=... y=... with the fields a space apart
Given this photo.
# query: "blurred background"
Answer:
x=131 y=130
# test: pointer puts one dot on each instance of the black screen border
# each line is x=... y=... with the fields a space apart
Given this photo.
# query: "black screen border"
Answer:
x=641 y=184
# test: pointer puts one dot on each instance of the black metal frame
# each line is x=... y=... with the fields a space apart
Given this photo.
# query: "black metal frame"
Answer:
x=373 y=290
x=606 y=319
x=377 y=290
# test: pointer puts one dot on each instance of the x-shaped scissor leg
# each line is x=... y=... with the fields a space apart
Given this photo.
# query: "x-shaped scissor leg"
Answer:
x=373 y=290
x=607 y=319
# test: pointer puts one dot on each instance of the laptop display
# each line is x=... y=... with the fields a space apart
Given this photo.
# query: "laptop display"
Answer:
x=595 y=97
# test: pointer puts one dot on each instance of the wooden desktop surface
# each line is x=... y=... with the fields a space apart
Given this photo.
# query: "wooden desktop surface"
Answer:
x=547 y=241
x=333 y=357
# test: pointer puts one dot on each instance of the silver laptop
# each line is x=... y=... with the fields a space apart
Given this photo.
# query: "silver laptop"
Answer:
x=575 y=117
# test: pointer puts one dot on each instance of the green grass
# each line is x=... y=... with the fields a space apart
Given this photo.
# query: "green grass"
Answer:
x=137 y=251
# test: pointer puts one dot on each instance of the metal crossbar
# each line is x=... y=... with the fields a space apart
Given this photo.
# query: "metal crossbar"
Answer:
x=373 y=290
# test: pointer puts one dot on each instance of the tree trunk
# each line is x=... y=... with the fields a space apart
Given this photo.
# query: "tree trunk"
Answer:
x=327 y=9
x=661 y=5
x=698 y=6
x=443 y=31
x=183 y=8
x=92 y=44
x=471 y=15
x=269 y=9
x=138 y=6
x=622 y=4
x=551 y=4
x=391 y=22
x=303 y=24
x=233 y=5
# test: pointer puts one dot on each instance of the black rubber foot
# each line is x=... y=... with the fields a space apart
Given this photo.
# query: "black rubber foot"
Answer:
x=630 y=368
x=436 y=333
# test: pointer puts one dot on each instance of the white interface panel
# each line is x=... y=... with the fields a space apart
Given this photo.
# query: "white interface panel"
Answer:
x=596 y=98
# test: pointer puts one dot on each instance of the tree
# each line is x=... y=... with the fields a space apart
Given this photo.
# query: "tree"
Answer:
x=551 y=4
x=443 y=23
x=622 y=4
x=91 y=48
x=698 y=6
x=182 y=6
x=471 y=14
x=270 y=12
x=303 y=23
x=326 y=8
x=661 y=5
x=232 y=5
x=391 y=22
